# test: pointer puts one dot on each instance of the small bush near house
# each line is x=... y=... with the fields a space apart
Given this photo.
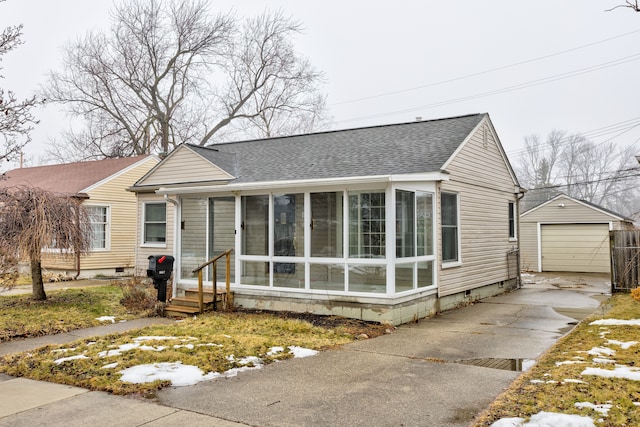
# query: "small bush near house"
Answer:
x=138 y=295
x=635 y=294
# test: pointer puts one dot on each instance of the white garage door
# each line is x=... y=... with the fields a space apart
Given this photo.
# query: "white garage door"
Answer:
x=575 y=247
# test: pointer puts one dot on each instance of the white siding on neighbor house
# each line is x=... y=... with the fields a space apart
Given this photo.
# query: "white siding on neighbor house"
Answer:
x=485 y=186
x=185 y=167
x=571 y=212
x=143 y=252
x=121 y=242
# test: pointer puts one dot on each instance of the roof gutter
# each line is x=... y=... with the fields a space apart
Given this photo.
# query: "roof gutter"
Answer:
x=271 y=185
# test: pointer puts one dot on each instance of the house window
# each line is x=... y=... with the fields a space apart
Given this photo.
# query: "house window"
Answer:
x=255 y=225
x=326 y=225
x=367 y=225
x=512 y=220
x=405 y=220
x=450 y=227
x=155 y=223
x=98 y=222
x=424 y=223
x=288 y=239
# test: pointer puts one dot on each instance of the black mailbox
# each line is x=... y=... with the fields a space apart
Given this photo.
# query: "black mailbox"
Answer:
x=160 y=268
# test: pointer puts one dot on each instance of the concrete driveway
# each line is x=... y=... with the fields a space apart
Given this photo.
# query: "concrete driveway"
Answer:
x=424 y=374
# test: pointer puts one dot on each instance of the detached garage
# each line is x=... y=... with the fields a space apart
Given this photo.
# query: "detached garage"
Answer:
x=566 y=234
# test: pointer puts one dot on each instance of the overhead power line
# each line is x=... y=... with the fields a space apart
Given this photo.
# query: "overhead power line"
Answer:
x=532 y=83
x=479 y=73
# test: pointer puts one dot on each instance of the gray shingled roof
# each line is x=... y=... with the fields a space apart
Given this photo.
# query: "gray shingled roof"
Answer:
x=415 y=147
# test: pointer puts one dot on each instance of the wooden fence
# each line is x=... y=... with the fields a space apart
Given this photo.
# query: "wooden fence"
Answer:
x=625 y=259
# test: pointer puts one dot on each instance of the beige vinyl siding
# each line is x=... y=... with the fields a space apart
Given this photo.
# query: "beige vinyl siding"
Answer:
x=121 y=232
x=194 y=234
x=572 y=212
x=143 y=252
x=184 y=166
x=485 y=186
x=224 y=236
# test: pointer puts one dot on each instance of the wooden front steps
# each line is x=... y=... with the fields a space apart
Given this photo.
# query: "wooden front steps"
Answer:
x=188 y=305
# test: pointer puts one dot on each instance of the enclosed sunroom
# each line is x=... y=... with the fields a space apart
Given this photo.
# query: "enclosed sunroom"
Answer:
x=357 y=223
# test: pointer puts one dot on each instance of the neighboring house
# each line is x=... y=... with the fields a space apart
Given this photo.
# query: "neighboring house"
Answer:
x=103 y=186
x=567 y=234
x=386 y=223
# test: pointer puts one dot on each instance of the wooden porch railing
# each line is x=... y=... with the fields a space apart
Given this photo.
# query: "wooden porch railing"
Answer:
x=228 y=300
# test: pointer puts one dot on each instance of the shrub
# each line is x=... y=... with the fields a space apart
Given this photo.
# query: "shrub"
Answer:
x=138 y=295
x=636 y=294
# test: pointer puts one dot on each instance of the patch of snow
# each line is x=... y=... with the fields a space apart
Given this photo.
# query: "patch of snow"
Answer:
x=64 y=359
x=547 y=419
x=571 y=380
x=623 y=372
x=187 y=346
x=601 y=351
x=209 y=345
x=111 y=319
x=602 y=360
x=275 y=350
x=176 y=372
x=302 y=352
x=110 y=366
x=622 y=344
x=251 y=360
x=616 y=322
x=536 y=382
x=602 y=409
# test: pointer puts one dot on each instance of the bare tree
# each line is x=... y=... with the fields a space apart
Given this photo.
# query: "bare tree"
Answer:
x=16 y=119
x=32 y=219
x=168 y=72
x=604 y=174
x=633 y=5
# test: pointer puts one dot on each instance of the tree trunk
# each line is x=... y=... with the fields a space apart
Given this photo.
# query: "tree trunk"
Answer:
x=36 y=280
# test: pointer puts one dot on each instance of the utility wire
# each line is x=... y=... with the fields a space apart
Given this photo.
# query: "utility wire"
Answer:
x=507 y=89
x=479 y=73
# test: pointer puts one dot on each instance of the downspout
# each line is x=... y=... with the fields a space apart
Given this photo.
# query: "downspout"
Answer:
x=519 y=195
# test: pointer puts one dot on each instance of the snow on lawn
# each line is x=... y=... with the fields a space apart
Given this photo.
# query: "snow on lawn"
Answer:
x=182 y=375
x=546 y=419
x=616 y=322
x=111 y=319
x=619 y=371
x=176 y=372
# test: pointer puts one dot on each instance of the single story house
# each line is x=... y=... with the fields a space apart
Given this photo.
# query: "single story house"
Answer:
x=102 y=184
x=568 y=235
x=385 y=223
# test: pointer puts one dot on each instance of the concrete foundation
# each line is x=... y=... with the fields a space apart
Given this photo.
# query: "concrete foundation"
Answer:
x=391 y=311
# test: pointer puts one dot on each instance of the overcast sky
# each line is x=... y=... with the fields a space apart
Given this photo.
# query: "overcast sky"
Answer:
x=533 y=66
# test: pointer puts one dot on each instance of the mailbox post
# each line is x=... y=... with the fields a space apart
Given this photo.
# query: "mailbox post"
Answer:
x=160 y=268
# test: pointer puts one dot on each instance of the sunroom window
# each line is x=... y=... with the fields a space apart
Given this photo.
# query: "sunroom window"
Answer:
x=367 y=225
x=326 y=225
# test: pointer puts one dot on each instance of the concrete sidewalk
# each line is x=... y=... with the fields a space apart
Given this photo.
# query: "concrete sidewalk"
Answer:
x=423 y=374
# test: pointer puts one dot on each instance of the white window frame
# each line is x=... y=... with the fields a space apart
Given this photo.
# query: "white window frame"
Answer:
x=143 y=236
x=458 y=261
x=107 y=228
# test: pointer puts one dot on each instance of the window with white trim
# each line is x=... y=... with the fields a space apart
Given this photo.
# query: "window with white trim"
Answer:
x=450 y=227
x=367 y=234
x=99 y=224
x=155 y=223
x=512 y=220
